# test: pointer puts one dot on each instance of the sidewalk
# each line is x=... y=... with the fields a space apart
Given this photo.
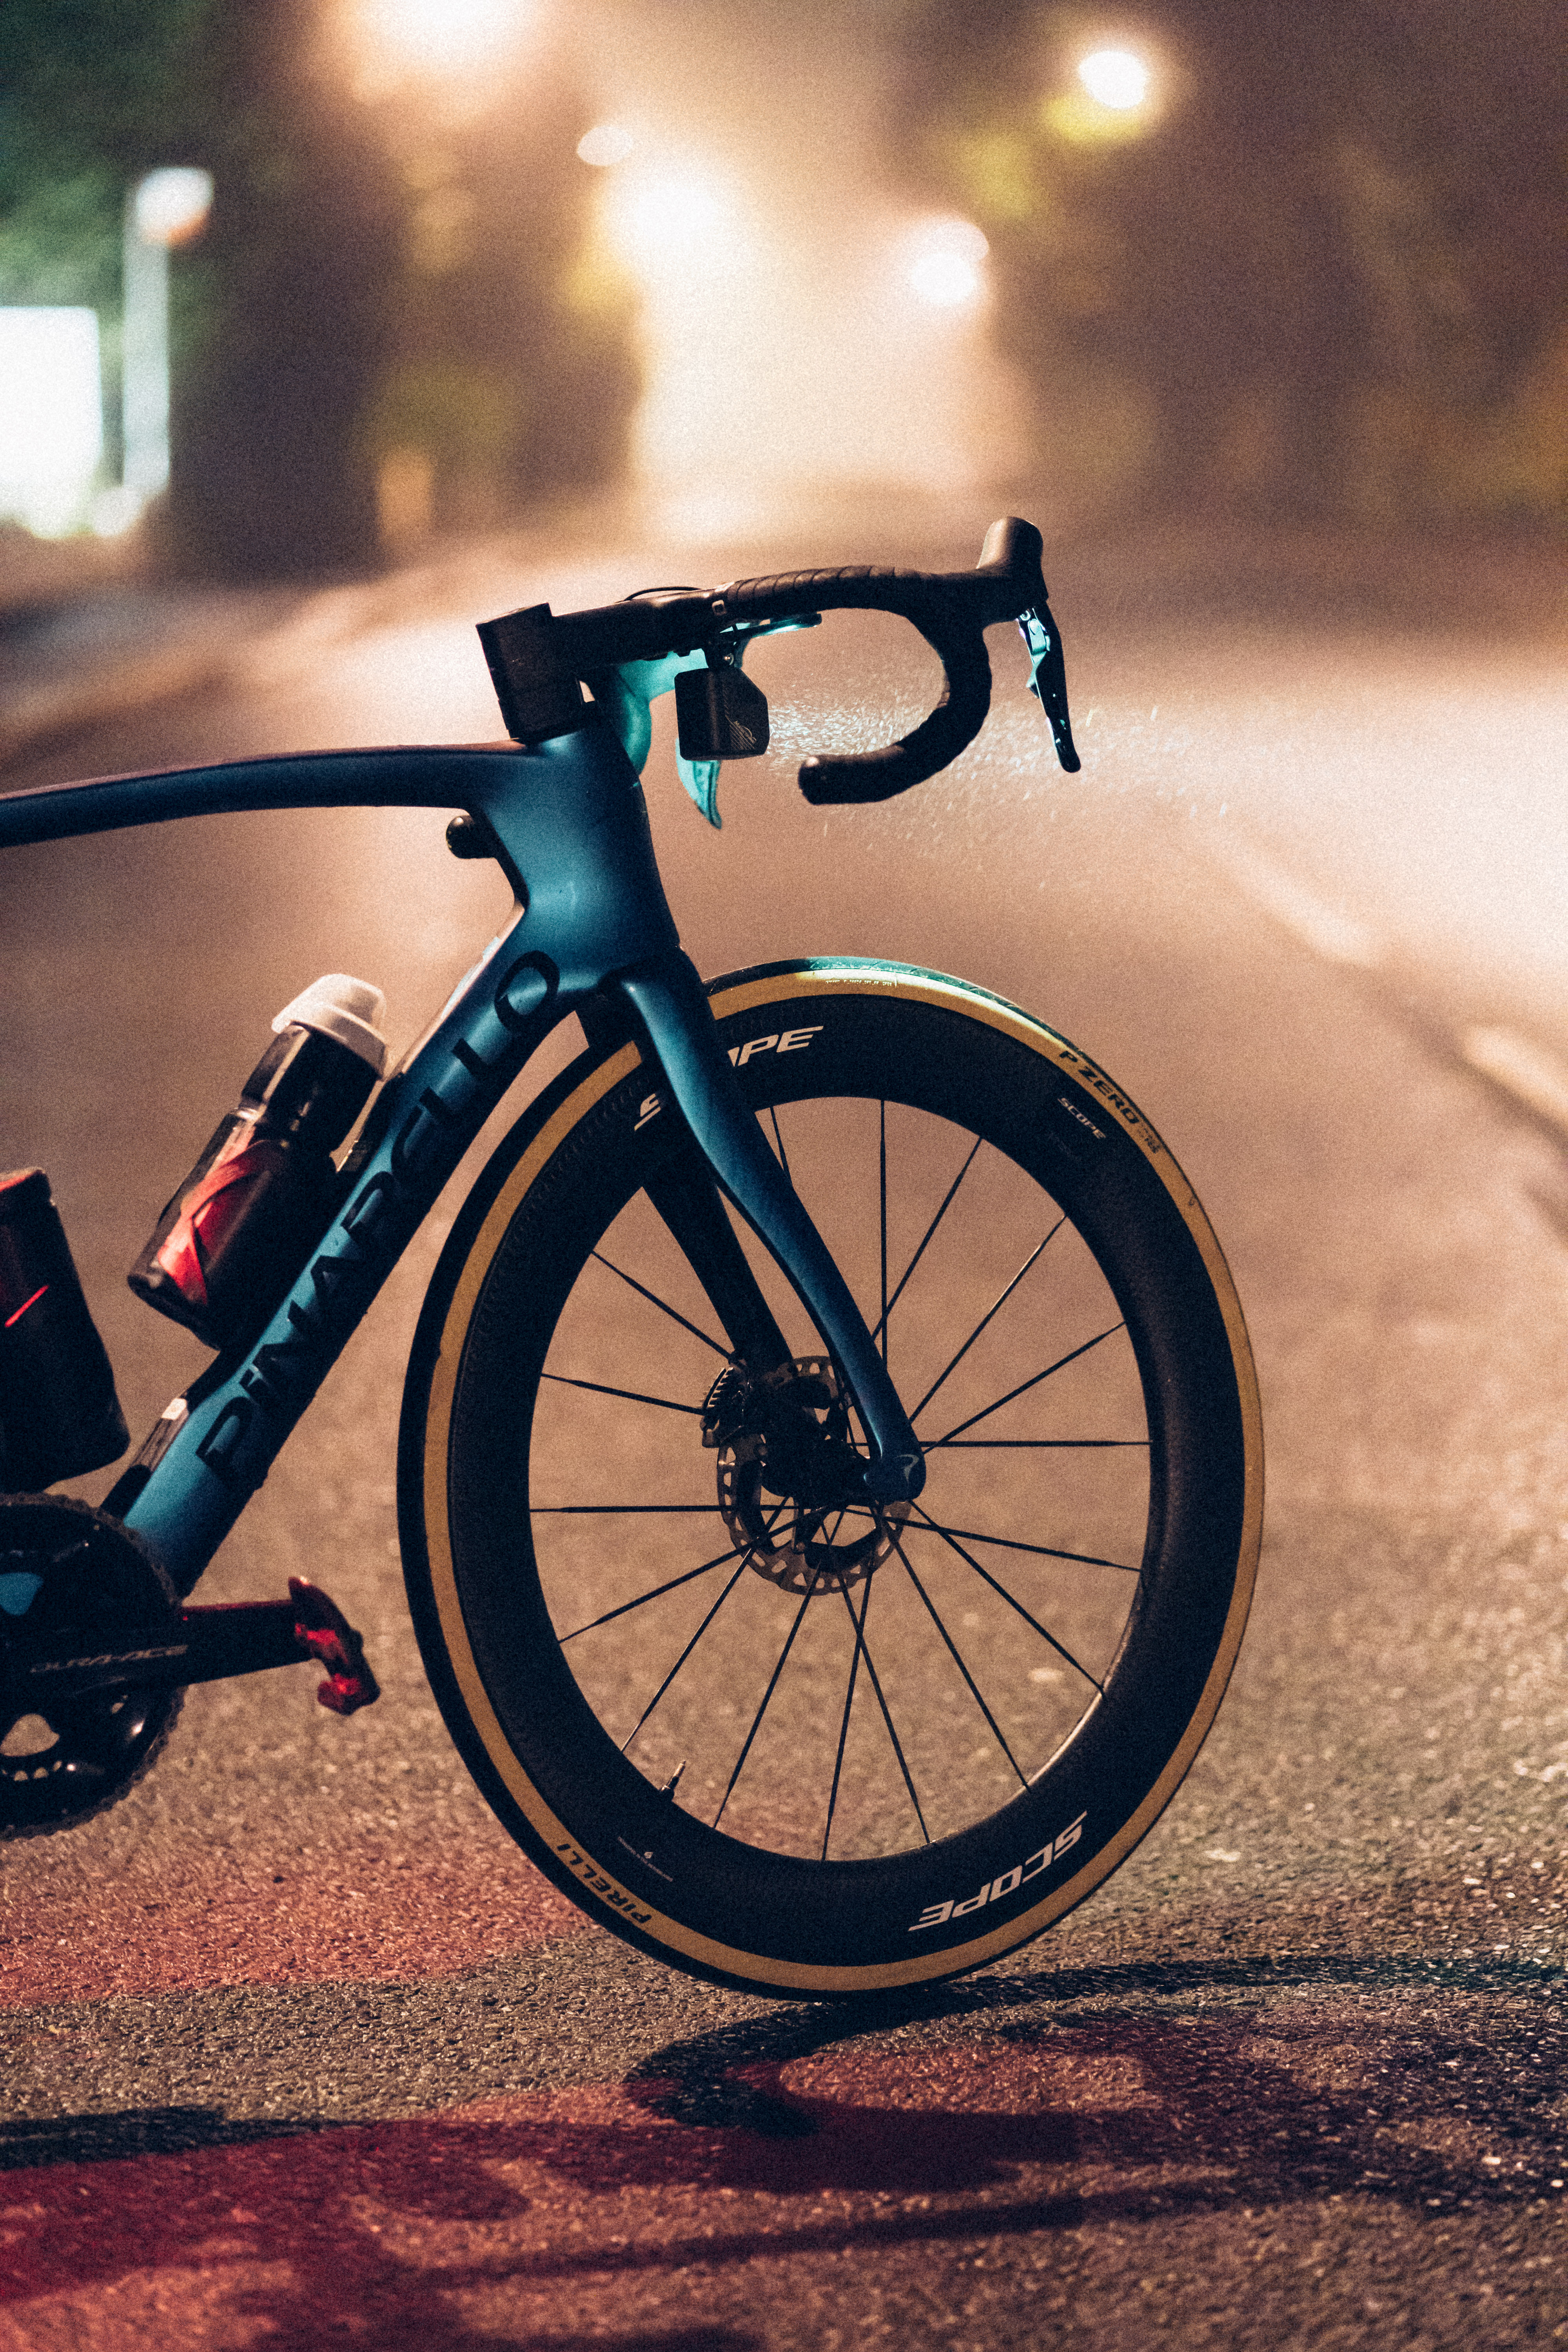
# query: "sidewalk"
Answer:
x=84 y=643
x=118 y=648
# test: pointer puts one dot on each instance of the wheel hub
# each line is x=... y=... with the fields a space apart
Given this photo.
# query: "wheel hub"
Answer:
x=787 y=1436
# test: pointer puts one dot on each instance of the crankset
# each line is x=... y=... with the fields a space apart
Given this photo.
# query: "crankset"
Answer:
x=786 y=1437
x=96 y=1653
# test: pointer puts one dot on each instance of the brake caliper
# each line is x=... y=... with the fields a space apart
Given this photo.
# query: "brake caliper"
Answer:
x=791 y=1481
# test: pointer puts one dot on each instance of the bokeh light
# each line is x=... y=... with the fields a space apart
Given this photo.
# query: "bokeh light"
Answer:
x=445 y=37
x=1113 y=97
x=1115 y=78
x=943 y=261
x=170 y=206
x=606 y=144
x=673 y=215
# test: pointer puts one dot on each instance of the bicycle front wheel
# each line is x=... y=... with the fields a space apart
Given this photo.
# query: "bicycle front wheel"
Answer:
x=835 y=1751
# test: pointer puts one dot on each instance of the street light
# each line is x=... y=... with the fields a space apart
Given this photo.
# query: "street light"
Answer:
x=1115 y=78
x=169 y=207
x=942 y=260
x=1114 y=97
x=457 y=50
x=607 y=144
x=672 y=218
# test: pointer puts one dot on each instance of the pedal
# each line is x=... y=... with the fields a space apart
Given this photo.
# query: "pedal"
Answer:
x=247 y=1637
x=326 y=1633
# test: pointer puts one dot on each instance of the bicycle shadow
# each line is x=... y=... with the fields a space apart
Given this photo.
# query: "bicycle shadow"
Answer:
x=1185 y=2105
x=1002 y=2107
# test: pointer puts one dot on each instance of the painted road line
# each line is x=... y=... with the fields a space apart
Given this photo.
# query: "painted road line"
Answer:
x=1335 y=936
x=1533 y=1078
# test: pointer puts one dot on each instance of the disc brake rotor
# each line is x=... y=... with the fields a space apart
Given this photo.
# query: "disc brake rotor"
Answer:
x=76 y=1578
x=785 y=1469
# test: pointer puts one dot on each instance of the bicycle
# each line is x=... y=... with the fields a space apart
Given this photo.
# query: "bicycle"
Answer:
x=784 y=1689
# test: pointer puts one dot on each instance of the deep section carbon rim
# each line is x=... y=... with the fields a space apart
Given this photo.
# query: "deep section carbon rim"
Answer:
x=831 y=1746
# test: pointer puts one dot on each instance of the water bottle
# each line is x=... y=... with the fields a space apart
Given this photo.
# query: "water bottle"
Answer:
x=58 y=1413
x=247 y=1216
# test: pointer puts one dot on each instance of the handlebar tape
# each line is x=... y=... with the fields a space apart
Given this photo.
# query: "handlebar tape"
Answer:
x=950 y=610
x=537 y=658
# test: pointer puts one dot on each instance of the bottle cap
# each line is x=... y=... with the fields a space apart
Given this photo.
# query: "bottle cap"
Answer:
x=343 y=1008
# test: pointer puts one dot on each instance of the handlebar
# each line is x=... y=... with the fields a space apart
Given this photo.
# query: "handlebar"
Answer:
x=538 y=659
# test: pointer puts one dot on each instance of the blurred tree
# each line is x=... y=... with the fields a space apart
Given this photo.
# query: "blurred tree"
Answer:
x=374 y=302
x=510 y=373
x=1324 y=272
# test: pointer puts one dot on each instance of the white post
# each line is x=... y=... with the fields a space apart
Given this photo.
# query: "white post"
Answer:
x=167 y=208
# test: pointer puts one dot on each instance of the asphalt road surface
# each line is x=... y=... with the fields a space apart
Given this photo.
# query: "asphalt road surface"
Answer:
x=301 y=2051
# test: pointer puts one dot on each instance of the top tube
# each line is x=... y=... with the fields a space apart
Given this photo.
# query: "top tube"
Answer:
x=405 y=776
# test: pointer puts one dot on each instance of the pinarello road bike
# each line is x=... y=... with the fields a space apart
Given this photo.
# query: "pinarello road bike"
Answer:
x=829 y=1475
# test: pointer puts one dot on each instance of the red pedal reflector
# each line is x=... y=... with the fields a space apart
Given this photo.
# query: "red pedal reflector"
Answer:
x=320 y=1627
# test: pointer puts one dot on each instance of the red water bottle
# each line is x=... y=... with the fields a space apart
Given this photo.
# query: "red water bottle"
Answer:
x=247 y=1216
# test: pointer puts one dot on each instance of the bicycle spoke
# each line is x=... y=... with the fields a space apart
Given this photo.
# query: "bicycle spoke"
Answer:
x=987 y=1317
x=859 y=1625
x=702 y=1629
x=617 y=1510
x=1029 y=1445
x=656 y=1593
x=1060 y=1365
x=1041 y=1551
x=684 y=1654
x=778 y=1139
x=663 y=1305
x=632 y=1396
x=881 y=1702
x=951 y=1541
x=767 y=1695
x=929 y=1230
x=996 y=1732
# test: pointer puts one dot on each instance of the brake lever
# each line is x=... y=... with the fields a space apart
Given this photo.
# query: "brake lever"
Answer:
x=627 y=692
x=1049 y=679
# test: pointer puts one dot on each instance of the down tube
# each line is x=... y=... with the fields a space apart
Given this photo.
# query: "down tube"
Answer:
x=244 y=1408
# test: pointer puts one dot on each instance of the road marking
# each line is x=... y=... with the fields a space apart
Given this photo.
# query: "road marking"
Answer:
x=1535 y=1079
x=1337 y=938
x=1530 y=1075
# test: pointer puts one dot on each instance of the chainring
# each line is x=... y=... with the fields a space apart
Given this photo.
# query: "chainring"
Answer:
x=810 y=1545
x=72 y=1576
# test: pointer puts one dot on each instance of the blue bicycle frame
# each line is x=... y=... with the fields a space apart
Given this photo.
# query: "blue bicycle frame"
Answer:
x=570 y=817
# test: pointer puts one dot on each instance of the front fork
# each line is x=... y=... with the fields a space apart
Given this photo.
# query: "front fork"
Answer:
x=668 y=1001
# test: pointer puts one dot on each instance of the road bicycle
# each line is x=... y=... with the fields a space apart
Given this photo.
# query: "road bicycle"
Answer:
x=829 y=1474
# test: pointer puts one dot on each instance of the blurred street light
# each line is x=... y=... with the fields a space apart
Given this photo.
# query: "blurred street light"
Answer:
x=169 y=207
x=1115 y=78
x=606 y=144
x=1114 y=97
x=456 y=56
x=943 y=262
x=672 y=217
x=444 y=36
x=803 y=335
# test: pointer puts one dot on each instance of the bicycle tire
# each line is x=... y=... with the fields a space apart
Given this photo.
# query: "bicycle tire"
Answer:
x=1060 y=1614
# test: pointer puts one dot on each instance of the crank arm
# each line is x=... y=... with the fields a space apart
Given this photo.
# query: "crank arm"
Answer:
x=210 y=1645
